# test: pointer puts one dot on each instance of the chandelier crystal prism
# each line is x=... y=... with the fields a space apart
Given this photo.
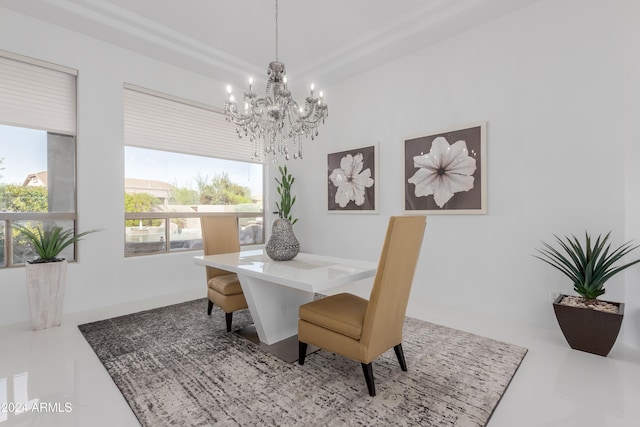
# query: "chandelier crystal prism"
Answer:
x=274 y=121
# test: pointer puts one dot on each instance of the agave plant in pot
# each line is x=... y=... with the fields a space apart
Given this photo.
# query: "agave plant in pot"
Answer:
x=588 y=323
x=46 y=275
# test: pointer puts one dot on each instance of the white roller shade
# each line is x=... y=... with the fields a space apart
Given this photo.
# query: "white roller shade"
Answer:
x=38 y=95
x=163 y=122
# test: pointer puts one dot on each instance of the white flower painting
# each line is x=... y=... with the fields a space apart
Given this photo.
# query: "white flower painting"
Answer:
x=351 y=181
x=445 y=173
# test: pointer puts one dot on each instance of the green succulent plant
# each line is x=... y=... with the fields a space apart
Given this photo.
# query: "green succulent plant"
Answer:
x=284 y=190
x=588 y=265
x=50 y=241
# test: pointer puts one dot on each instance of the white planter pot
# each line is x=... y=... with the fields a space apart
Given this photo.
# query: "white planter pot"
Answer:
x=46 y=282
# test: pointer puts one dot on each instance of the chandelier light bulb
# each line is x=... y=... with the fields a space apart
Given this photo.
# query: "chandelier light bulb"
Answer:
x=250 y=84
x=231 y=98
x=229 y=89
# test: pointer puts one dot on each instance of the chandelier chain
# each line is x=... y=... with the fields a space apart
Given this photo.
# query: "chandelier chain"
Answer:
x=276 y=30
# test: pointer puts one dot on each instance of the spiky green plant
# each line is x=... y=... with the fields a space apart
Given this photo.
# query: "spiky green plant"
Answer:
x=48 y=243
x=588 y=266
x=284 y=190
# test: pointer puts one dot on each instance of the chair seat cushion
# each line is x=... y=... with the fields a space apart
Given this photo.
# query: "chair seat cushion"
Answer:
x=341 y=313
x=225 y=285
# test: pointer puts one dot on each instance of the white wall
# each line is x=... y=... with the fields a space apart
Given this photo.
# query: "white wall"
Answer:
x=629 y=108
x=102 y=276
x=550 y=81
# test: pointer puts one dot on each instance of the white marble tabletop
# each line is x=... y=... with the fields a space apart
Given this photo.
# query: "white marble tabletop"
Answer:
x=307 y=272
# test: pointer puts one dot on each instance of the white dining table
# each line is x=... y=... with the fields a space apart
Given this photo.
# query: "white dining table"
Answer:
x=275 y=289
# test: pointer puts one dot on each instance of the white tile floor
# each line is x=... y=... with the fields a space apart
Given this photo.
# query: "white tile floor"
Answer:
x=555 y=386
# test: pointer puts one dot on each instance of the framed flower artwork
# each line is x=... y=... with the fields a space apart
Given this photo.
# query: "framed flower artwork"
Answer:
x=445 y=172
x=352 y=181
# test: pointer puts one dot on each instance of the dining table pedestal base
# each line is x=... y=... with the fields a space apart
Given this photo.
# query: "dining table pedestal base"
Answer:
x=286 y=349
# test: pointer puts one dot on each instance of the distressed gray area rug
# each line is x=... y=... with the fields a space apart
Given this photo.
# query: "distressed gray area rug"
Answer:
x=176 y=366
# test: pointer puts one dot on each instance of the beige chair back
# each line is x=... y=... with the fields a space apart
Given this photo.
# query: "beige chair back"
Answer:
x=219 y=236
x=384 y=318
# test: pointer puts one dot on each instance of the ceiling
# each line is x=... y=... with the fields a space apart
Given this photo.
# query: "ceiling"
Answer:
x=229 y=40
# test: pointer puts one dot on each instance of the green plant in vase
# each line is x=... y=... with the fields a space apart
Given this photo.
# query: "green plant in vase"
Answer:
x=588 y=324
x=46 y=275
x=283 y=244
x=284 y=190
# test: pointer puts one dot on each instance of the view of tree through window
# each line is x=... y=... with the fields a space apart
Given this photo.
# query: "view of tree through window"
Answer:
x=37 y=176
x=23 y=163
x=166 y=193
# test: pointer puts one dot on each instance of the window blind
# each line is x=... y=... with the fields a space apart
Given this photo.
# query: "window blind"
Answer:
x=36 y=94
x=163 y=122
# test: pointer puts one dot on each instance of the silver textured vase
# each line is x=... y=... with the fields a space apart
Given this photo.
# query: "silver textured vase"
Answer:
x=282 y=244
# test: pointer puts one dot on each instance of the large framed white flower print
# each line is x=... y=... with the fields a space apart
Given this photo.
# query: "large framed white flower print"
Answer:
x=445 y=172
x=352 y=181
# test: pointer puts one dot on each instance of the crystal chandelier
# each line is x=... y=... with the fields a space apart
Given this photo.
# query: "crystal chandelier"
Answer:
x=271 y=122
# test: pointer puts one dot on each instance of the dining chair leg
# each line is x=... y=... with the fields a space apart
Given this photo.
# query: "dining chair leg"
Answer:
x=368 y=377
x=228 y=317
x=210 y=307
x=400 y=356
x=302 y=352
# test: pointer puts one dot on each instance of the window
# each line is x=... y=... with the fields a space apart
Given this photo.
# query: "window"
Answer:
x=166 y=193
x=182 y=161
x=38 y=152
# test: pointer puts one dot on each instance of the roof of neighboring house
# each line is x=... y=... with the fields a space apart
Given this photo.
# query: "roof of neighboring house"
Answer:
x=136 y=183
x=38 y=179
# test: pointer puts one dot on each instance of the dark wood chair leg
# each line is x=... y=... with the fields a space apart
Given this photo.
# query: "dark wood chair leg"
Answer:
x=302 y=352
x=228 y=318
x=209 y=308
x=400 y=356
x=368 y=377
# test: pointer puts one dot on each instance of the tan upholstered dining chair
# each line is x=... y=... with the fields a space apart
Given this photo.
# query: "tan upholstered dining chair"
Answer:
x=219 y=236
x=359 y=329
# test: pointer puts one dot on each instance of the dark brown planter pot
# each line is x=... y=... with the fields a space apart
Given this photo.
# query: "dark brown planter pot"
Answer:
x=589 y=330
